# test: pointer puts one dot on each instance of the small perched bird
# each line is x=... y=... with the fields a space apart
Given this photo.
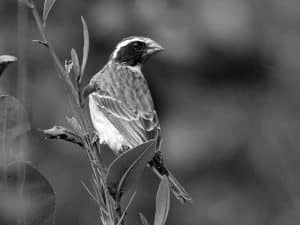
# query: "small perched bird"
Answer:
x=121 y=106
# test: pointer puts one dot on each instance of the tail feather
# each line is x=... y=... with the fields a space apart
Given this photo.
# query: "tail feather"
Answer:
x=176 y=188
x=179 y=192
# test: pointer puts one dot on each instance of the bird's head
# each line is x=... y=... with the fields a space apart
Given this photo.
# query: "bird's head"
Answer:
x=135 y=50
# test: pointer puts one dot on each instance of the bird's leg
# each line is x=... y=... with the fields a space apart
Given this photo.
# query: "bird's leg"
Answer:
x=123 y=149
x=95 y=138
x=158 y=139
x=158 y=163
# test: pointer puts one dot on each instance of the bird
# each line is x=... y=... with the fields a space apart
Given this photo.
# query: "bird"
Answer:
x=121 y=107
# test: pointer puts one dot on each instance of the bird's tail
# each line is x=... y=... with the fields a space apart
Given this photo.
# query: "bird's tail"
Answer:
x=176 y=188
x=179 y=192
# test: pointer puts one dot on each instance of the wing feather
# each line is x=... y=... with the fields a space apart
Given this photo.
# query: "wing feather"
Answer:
x=124 y=120
x=124 y=98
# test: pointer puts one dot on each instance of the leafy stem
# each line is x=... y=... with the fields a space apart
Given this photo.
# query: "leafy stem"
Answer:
x=105 y=202
x=45 y=42
x=109 y=184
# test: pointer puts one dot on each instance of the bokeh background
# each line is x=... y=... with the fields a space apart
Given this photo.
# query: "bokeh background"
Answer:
x=226 y=90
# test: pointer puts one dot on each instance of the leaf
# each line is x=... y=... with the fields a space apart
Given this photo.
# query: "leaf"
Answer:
x=75 y=60
x=162 y=202
x=86 y=46
x=68 y=66
x=58 y=132
x=48 y=4
x=5 y=60
x=73 y=122
x=28 y=3
x=26 y=196
x=90 y=193
x=13 y=124
x=143 y=219
x=126 y=169
x=43 y=43
x=126 y=209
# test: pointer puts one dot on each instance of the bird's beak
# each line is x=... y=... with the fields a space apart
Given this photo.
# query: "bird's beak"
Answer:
x=153 y=48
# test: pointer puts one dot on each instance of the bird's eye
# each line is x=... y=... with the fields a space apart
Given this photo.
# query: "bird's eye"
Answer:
x=137 y=45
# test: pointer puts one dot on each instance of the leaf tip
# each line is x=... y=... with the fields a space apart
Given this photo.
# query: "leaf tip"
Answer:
x=48 y=4
x=162 y=202
x=143 y=219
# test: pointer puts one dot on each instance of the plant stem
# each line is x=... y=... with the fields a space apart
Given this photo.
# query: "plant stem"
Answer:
x=59 y=67
x=98 y=172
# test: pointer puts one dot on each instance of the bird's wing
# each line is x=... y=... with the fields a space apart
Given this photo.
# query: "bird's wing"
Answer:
x=134 y=127
x=124 y=98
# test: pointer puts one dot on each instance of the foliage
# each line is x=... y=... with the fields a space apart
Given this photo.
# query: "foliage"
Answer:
x=48 y=4
x=26 y=195
x=162 y=204
x=128 y=167
x=5 y=60
x=108 y=184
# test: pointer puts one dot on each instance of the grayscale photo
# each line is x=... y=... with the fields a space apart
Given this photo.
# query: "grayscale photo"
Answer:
x=149 y=112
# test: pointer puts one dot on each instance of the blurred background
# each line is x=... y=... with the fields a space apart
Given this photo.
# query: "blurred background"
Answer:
x=226 y=90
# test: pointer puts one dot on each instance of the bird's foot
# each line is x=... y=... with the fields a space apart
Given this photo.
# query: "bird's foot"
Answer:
x=94 y=138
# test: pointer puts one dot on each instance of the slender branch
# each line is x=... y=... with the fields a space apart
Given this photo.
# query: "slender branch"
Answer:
x=59 y=67
x=98 y=172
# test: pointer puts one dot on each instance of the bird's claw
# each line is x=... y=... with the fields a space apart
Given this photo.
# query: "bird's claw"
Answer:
x=94 y=138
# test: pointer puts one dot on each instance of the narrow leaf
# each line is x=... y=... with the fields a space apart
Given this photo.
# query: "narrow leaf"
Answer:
x=28 y=3
x=28 y=198
x=43 y=43
x=5 y=60
x=58 y=132
x=68 y=66
x=73 y=122
x=75 y=60
x=98 y=194
x=143 y=219
x=86 y=46
x=48 y=4
x=126 y=209
x=162 y=202
x=89 y=191
x=135 y=170
x=126 y=169
x=95 y=198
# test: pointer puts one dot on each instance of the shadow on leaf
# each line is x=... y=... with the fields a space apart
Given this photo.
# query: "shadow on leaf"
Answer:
x=126 y=169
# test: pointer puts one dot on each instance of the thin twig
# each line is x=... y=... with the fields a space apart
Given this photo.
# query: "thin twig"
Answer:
x=59 y=67
x=98 y=173
x=127 y=207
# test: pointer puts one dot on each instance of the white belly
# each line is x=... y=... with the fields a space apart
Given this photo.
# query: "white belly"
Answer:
x=107 y=132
